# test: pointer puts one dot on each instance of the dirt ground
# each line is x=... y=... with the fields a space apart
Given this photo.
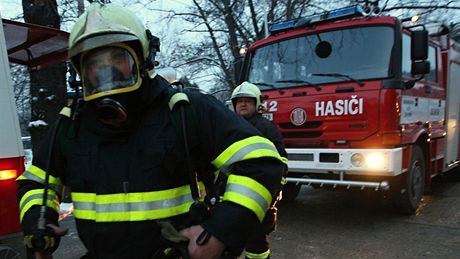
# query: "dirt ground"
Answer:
x=325 y=224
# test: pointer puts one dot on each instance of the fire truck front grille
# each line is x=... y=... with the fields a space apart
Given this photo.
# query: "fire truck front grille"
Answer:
x=307 y=125
x=312 y=134
x=329 y=157
x=300 y=157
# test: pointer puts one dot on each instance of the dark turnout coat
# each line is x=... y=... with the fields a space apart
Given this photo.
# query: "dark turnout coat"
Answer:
x=124 y=180
x=269 y=130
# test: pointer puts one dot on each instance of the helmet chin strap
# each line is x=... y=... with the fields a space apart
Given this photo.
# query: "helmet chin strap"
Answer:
x=111 y=112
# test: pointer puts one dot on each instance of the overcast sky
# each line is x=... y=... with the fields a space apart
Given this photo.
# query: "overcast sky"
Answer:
x=12 y=8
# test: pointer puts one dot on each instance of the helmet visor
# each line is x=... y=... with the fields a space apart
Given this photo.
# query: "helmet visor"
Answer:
x=109 y=70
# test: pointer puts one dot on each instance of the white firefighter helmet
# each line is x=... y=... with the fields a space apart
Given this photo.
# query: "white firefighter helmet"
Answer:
x=109 y=25
x=247 y=89
x=168 y=73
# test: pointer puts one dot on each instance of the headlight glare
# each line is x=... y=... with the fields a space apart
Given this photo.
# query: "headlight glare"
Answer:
x=375 y=160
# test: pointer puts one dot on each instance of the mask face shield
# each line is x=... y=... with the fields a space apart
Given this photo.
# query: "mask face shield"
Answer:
x=109 y=70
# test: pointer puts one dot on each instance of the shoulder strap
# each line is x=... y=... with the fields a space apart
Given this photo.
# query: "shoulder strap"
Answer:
x=176 y=96
x=183 y=117
x=179 y=98
x=66 y=129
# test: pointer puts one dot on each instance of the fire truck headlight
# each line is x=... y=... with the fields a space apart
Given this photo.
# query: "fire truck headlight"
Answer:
x=375 y=160
x=357 y=159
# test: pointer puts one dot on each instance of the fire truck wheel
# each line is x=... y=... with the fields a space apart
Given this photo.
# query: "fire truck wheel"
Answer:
x=290 y=192
x=7 y=252
x=413 y=184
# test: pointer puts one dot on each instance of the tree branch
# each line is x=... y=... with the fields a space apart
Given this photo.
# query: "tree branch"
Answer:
x=422 y=7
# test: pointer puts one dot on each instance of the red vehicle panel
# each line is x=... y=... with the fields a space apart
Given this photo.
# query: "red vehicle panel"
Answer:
x=10 y=168
x=34 y=46
x=361 y=99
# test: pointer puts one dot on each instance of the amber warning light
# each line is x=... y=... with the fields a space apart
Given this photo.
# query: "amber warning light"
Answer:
x=8 y=174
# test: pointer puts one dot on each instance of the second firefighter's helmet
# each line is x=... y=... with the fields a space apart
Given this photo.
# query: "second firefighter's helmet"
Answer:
x=247 y=89
x=110 y=48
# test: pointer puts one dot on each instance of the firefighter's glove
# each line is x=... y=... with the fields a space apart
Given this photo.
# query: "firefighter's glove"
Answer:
x=198 y=213
x=177 y=243
x=44 y=240
x=170 y=233
x=270 y=220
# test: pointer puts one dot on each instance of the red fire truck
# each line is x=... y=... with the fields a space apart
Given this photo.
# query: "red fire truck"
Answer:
x=35 y=47
x=362 y=100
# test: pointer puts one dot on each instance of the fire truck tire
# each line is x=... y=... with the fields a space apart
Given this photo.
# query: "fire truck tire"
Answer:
x=290 y=192
x=7 y=252
x=413 y=183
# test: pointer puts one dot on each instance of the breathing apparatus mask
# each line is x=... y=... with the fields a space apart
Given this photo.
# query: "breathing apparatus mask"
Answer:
x=109 y=75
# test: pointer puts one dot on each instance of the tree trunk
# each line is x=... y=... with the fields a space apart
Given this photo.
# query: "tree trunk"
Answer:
x=47 y=86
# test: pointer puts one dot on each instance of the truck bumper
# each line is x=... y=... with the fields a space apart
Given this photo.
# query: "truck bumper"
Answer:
x=342 y=162
x=377 y=185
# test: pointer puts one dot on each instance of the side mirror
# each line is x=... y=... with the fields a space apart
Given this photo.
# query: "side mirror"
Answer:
x=419 y=52
x=420 y=67
x=229 y=105
x=419 y=45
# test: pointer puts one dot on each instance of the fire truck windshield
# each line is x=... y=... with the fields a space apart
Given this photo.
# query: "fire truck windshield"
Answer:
x=351 y=54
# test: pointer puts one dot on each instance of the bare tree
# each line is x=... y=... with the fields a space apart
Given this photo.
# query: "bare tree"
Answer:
x=226 y=26
x=21 y=95
x=47 y=86
x=431 y=11
x=219 y=29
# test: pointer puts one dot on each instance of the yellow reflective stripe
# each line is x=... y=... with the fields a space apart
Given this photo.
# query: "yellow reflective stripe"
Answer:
x=252 y=147
x=245 y=202
x=133 y=206
x=35 y=197
x=123 y=216
x=38 y=175
x=248 y=193
x=202 y=190
x=263 y=255
x=283 y=181
x=284 y=159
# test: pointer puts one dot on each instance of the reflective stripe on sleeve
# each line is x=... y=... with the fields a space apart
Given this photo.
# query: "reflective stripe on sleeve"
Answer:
x=283 y=181
x=284 y=159
x=137 y=206
x=38 y=175
x=35 y=197
x=248 y=148
x=249 y=193
x=263 y=255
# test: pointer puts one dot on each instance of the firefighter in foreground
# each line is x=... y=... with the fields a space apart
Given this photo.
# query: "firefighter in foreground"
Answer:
x=127 y=167
x=246 y=100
